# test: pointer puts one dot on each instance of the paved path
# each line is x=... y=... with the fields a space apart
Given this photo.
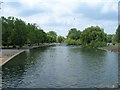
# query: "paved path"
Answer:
x=7 y=54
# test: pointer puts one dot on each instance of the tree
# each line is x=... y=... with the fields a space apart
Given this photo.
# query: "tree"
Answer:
x=73 y=37
x=5 y=32
x=16 y=32
x=20 y=36
x=60 y=39
x=74 y=34
x=109 y=38
x=40 y=36
x=31 y=36
x=52 y=36
x=114 y=39
x=52 y=33
x=93 y=36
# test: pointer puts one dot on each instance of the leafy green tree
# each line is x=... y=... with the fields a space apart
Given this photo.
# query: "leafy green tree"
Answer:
x=49 y=39
x=70 y=41
x=52 y=36
x=5 y=32
x=40 y=36
x=114 y=39
x=43 y=37
x=109 y=38
x=31 y=35
x=73 y=42
x=60 y=39
x=52 y=33
x=7 y=27
x=73 y=37
x=74 y=34
x=20 y=32
x=93 y=36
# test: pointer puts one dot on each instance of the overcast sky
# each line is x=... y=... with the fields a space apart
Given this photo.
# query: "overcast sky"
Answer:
x=62 y=15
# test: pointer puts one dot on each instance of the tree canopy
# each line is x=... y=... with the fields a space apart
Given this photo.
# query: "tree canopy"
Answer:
x=73 y=37
x=109 y=38
x=60 y=39
x=52 y=36
x=93 y=36
x=16 y=32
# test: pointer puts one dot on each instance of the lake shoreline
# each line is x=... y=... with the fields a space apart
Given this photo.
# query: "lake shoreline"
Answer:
x=7 y=54
x=112 y=48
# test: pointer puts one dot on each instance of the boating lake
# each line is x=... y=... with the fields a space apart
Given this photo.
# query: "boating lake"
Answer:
x=61 y=67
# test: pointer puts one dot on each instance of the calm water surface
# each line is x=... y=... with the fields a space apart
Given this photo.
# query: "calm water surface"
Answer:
x=61 y=67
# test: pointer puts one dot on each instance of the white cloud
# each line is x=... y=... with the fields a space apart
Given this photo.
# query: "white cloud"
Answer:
x=61 y=12
x=109 y=6
x=8 y=11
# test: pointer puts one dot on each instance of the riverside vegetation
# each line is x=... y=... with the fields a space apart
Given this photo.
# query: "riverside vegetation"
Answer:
x=17 y=33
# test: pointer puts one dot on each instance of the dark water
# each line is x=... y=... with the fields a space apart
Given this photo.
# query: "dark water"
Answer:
x=62 y=67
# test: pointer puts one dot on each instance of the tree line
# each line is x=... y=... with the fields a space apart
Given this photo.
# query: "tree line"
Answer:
x=16 y=32
x=93 y=36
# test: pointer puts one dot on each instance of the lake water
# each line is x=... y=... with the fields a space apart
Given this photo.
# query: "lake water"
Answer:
x=62 y=67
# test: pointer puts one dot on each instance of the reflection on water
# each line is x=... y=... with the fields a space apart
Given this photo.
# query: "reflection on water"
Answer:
x=62 y=67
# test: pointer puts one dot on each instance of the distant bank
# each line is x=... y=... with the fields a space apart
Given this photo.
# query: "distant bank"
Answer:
x=112 y=48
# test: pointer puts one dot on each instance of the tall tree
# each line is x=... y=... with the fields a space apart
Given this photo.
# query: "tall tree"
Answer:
x=74 y=34
x=7 y=26
x=17 y=33
x=20 y=31
x=31 y=35
x=60 y=39
x=109 y=38
x=52 y=36
x=73 y=37
x=93 y=36
x=114 y=39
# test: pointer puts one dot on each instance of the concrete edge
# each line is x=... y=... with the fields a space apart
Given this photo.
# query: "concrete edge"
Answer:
x=12 y=57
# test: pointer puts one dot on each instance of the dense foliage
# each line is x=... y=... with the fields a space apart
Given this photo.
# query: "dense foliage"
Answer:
x=52 y=36
x=73 y=37
x=60 y=39
x=109 y=38
x=92 y=36
x=114 y=39
x=16 y=32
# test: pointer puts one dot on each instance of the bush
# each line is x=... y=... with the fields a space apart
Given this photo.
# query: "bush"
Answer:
x=73 y=42
x=96 y=44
